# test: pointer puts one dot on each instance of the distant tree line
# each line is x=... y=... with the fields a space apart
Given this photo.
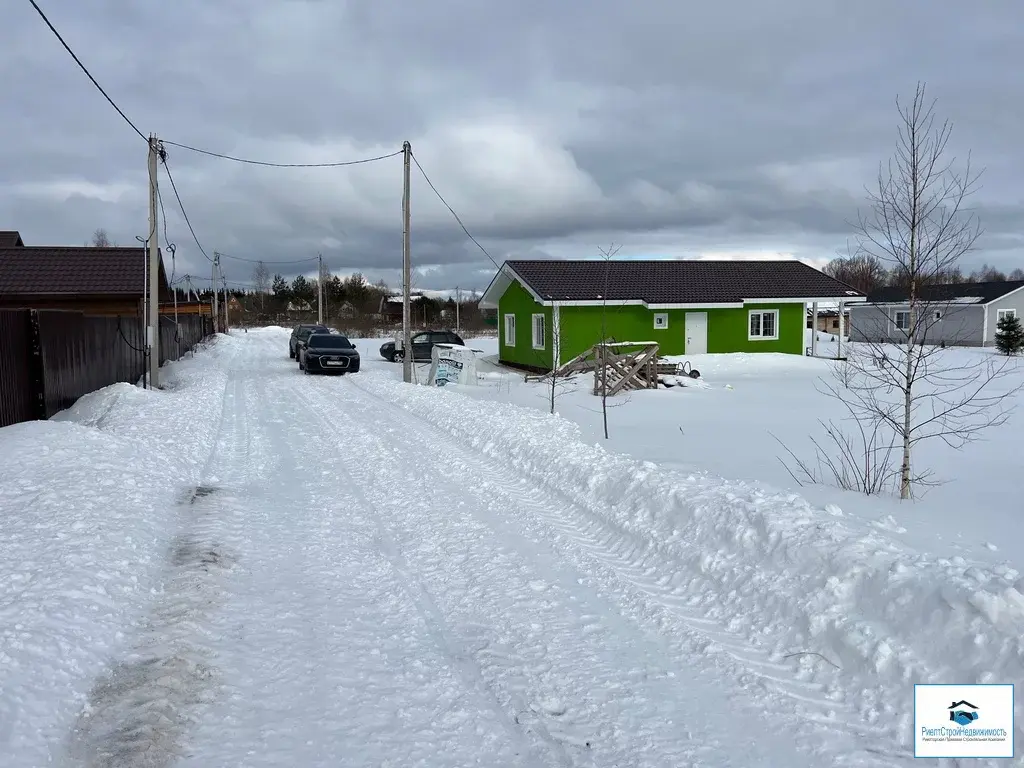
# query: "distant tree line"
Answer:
x=867 y=273
x=351 y=301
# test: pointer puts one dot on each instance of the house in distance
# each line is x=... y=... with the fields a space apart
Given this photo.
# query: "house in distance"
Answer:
x=550 y=311
x=956 y=314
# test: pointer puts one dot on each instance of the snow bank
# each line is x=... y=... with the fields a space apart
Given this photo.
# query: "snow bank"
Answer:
x=89 y=505
x=770 y=566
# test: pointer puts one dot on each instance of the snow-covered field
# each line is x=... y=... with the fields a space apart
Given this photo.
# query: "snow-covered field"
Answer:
x=255 y=567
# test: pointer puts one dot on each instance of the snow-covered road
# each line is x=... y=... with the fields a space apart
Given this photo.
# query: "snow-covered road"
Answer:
x=346 y=585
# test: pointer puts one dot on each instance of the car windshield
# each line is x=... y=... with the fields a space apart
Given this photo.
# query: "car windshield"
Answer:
x=329 y=341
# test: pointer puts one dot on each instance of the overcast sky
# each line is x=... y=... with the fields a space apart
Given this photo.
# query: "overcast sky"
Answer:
x=676 y=129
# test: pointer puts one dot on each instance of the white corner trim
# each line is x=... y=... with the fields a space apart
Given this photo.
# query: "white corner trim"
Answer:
x=556 y=337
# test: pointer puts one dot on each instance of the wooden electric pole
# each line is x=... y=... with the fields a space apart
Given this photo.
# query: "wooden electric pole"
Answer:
x=153 y=321
x=227 y=305
x=406 y=271
x=213 y=291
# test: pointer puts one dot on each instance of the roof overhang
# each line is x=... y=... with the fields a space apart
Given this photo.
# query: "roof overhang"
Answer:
x=500 y=283
x=506 y=275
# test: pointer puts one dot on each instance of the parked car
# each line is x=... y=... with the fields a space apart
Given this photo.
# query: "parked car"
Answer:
x=299 y=335
x=422 y=345
x=328 y=353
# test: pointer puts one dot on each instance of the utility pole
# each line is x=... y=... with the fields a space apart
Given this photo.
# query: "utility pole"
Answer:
x=458 y=301
x=153 y=324
x=406 y=270
x=227 y=305
x=320 y=288
x=214 y=312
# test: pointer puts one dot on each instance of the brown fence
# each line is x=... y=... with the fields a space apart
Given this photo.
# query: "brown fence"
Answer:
x=50 y=358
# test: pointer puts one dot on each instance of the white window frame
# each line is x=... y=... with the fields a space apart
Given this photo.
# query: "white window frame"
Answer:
x=1001 y=313
x=539 y=331
x=663 y=318
x=759 y=336
x=510 y=330
x=896 y=320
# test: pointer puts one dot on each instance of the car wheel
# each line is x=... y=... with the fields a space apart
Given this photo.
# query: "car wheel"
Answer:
x=397 y=357
x=291 y=353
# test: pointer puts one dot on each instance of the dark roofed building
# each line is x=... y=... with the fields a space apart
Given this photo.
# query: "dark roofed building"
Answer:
x=954 y=314
x=550 y=311
x=97 y=281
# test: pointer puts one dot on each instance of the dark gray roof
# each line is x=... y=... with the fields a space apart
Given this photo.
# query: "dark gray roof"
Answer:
x=985 y=292
x=678 y=282
x=10 y=238
x=79 y=271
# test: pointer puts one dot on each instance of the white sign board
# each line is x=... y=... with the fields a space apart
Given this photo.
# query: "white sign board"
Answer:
x=452 y=364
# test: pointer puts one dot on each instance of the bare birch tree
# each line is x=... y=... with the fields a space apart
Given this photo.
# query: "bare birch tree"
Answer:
x=100 y=239
x=900 y=377
x=261 y=281
x=607 y=254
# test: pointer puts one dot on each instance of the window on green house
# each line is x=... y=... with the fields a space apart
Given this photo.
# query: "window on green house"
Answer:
x=538 y=331
x=510 y=330
x=764 y=324
x=661 y=321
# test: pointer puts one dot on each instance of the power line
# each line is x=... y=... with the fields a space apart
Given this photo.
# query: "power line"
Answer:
x=174 y=187
x=268 y=261
x=452 y=211
x=85 y=69
x=282 y=165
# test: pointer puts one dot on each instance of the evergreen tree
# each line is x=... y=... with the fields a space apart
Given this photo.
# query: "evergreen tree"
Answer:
x=1010 y=335
x=303 y=289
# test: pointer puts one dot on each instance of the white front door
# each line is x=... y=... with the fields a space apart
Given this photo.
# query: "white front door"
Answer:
x=696 y=333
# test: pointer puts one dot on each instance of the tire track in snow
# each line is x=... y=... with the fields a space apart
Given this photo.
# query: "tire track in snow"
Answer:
x=324 y=662
x=618 y=713
x=552 y=752
x=139 y=713
x=633 y=563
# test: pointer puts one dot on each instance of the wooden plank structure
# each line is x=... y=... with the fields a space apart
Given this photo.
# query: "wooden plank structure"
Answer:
x=631 y=365
x=625 y=366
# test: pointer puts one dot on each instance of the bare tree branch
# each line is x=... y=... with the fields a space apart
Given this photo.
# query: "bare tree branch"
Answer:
x=919 y=227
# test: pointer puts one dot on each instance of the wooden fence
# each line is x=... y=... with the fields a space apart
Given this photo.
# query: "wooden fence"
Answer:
x=50 y=358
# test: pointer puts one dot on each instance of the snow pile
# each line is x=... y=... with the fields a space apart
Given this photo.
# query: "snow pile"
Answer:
x=870 y=616
x=90 y=503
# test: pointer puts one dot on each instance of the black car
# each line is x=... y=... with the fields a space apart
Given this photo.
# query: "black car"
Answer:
x=422 y=345
x=299 y=335
x=328 y=353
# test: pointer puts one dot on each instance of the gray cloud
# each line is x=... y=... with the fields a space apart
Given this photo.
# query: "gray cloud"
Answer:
x=552 y=128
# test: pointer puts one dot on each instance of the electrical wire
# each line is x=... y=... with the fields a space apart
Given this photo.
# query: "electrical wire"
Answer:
x=267 y=261
x=247 y=161
x=452 y=211
x=174 y=187
x=86 y=70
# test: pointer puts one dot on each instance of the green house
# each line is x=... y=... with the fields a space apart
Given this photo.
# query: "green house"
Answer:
x=551 y=311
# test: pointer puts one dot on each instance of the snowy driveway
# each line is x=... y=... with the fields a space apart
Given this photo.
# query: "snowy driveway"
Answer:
x=346 y=586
